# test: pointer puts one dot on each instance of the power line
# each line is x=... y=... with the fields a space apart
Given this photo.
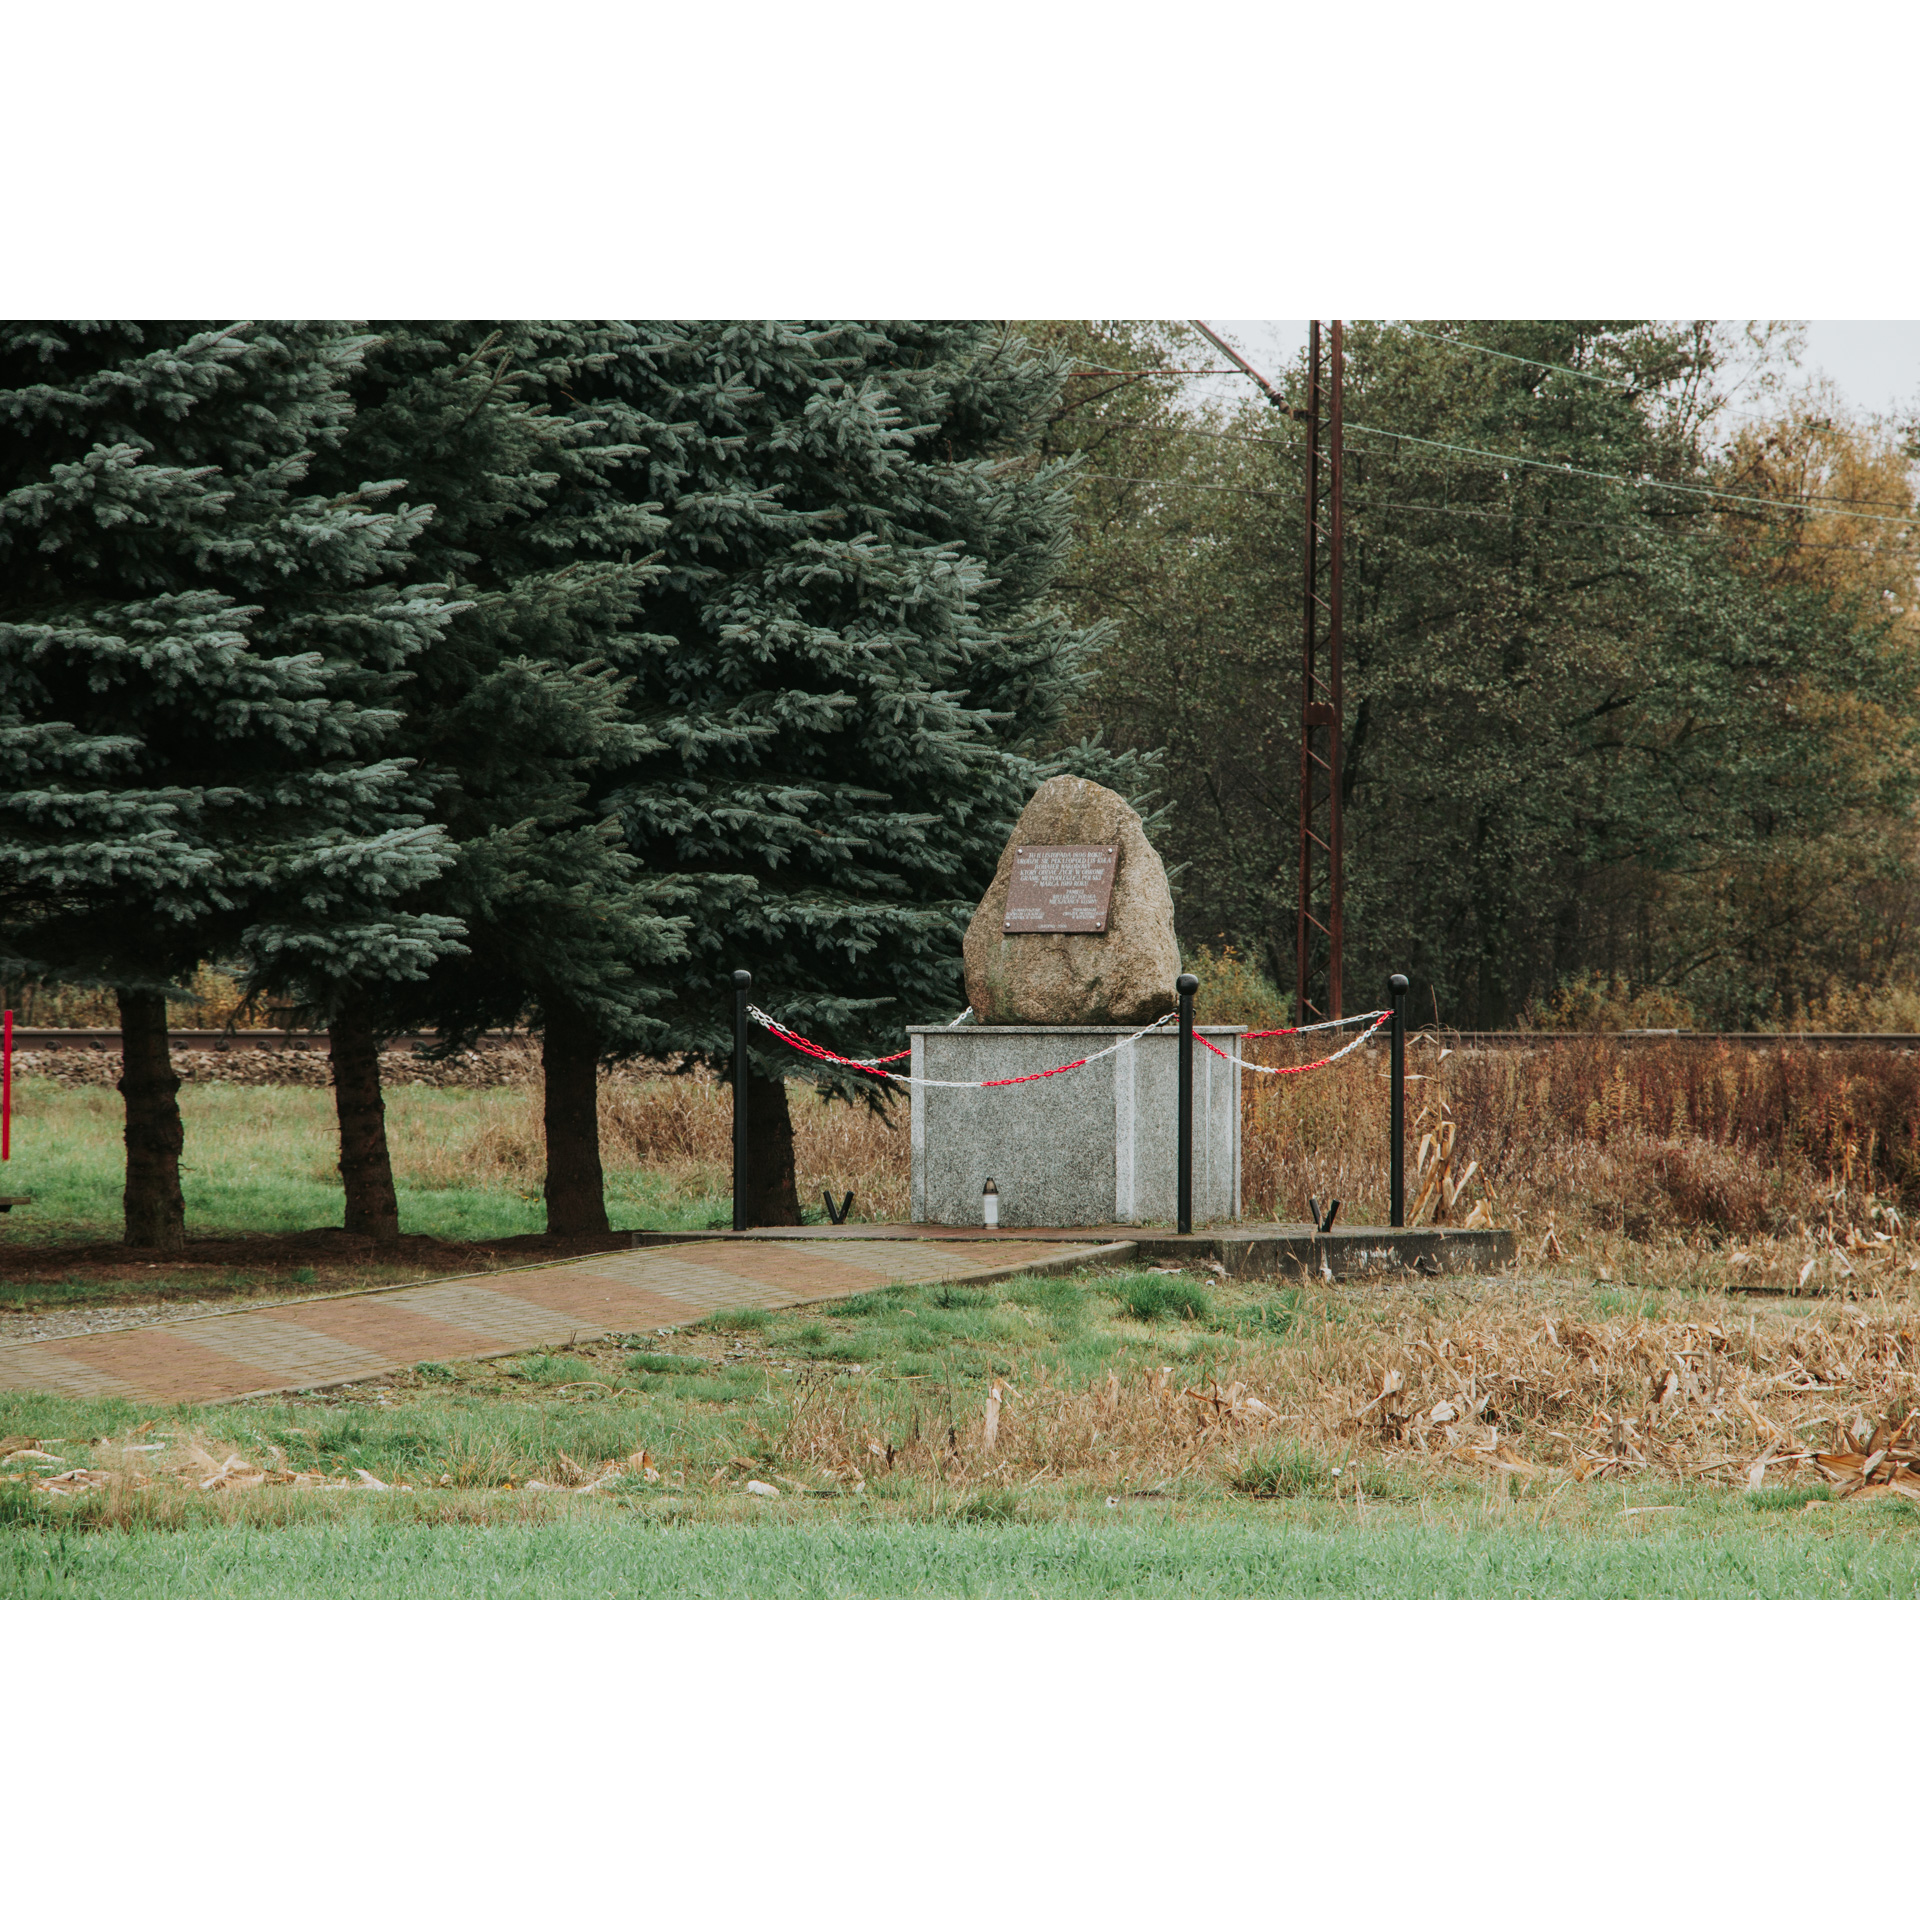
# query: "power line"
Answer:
x=1218 y=433
x=1135 y=373
x=1799 y=503
x=1519 y=359
x=1413 y=506
x=1826 y=503
x=1193 y=486
x=1445 y=339
x=1565 y=526
x=1667 y=531
x=1807 y=503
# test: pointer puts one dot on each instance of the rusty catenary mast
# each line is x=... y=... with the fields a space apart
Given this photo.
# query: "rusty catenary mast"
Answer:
x=1318 y=941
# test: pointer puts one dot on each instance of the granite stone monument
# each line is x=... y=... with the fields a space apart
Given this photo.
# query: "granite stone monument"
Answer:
x=1071 y=950
x=1077 y=927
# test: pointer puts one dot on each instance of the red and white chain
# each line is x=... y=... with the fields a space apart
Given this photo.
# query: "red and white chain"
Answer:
x=1378 y=1018
x=878 y=1065
x=814 y=1051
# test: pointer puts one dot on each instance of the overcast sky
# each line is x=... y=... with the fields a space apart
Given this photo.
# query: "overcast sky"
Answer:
x=1874 y=363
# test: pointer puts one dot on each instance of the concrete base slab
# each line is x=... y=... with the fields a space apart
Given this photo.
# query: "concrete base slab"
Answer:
x=1247 y=1253
x=1347 y=1253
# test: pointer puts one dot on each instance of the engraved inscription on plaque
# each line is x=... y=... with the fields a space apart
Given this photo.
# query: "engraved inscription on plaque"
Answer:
x=1060 y=889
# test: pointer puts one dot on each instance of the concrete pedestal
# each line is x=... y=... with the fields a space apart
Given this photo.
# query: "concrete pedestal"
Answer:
x=1086 y=1148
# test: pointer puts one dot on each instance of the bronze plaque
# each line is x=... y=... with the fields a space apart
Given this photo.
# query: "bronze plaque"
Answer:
x=1060 y=889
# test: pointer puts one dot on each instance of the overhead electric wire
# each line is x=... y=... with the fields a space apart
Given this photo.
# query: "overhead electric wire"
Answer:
x=1445 y=339
x=1362 y=509
x=1217 y=433
x=1833 y=502
x=1805 y=503
x=1520 y=359
x=1550 y=466
x=1135 y=373
x=1798 y=503
x=1825 y=500
x=1565 y=526
x=1175 y=480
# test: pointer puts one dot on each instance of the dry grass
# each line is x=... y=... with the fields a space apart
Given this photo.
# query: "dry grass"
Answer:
x=1782 y=1149
x=1048 y=1384
x=682 y=1126
x=1510 y=1383
x=1649 y=1140
x=678 y=1127
x=195 y=1480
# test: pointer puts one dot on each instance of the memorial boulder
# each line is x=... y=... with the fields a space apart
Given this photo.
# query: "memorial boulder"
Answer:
x=1077 y=927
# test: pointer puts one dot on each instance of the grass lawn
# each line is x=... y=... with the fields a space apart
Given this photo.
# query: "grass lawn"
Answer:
x=1145 y=1433
x=263 y=1198
x=264 y=1159
x=1714 y=1548
x=1094 y=1434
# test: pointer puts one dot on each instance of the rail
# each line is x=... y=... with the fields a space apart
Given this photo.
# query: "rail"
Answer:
x=223 y=1040
x=298 y=1039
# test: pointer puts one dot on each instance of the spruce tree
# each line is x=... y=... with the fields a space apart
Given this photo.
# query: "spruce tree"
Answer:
x=196 y=648
x=861 y=669
x=516 y=719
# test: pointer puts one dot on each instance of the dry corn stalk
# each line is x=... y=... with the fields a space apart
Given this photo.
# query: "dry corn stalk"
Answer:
x=1452 y=1191
x=1441 y=1188
x=1432 y=1164
x=1889 y=1461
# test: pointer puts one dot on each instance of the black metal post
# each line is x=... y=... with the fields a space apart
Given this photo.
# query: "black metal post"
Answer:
x=1186 y=986
x=742 y=980
x=1397 y=1147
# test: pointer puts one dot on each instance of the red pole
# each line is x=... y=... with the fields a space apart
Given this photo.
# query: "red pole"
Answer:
x=1304 y=1006
x=6 y=1088
x=1336 y=732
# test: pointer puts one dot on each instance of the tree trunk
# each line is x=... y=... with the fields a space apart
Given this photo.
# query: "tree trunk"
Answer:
x=771 y=1201
x=156 y=1214
x=570 y=1052
x=366 y=1170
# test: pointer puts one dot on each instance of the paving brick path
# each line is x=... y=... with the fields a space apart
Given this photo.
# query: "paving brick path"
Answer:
x=229 y=1354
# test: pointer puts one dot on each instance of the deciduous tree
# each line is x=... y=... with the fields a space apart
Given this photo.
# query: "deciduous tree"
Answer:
x=1590 y=724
